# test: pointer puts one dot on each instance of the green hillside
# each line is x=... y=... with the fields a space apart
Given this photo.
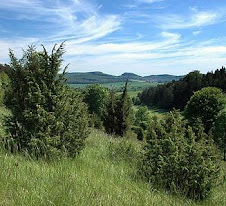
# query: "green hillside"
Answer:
x=99 y=77
x=104 y=174
x=90 y=78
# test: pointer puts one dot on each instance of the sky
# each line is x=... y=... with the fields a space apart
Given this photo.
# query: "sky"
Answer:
x=116 y=36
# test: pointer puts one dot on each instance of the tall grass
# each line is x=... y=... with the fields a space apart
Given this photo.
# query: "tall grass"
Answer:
x=103 y=174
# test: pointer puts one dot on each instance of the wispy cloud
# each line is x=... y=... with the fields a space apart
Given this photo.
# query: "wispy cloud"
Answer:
x=138 y=39
x=195 y=20
x=148 y=1
x=196 y=32
x=75 y=19
x=137 y=3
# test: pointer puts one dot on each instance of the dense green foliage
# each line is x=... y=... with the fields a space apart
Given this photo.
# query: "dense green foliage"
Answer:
x=118 y=118
x=96 y=97
x=110 y=118
x=205 y=104
x=173 y=159
x=177 y=93
x=142 y=119
x=219 y=131
x=48 y=119
x=4 y=84
x=5 y=68
x=124 y=111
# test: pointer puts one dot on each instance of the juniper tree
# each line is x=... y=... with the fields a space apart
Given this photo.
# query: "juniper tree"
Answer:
x=110 y=119
x=118 y=117
x=176 y=160
x=124 y=109
x=47 y=118
x=219 y=131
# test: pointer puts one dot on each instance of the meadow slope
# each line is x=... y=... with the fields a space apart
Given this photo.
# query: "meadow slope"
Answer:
x=103 y=174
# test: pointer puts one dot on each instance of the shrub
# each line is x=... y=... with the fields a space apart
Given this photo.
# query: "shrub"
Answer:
x=139 y=132
x=172 y=158
x=48 y=118
x=119 y=115
x=205 y=104
x=4 y=84
x=96 y=97
x=219 y=131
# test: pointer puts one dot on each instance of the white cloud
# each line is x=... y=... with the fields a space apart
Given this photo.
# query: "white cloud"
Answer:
x=170 y=35
x=171 y=55
x=81 y=24
x=195 y=33
x=149 y=1
x=195 y=20
x=137 y=3
x=75 y=19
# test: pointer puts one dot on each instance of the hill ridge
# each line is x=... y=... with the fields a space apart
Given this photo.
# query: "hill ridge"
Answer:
x=100 y=77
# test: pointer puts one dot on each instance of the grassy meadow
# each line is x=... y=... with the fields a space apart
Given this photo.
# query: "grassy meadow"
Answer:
x=103 y=174
x=133 y=86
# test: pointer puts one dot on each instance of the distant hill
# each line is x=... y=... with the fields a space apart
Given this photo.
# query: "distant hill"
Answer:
x=100 y=77
x=131 y=76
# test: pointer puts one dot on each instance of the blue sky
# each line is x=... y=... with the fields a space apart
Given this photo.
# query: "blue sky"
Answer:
x=116 y=36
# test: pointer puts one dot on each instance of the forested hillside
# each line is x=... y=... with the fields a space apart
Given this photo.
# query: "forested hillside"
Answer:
x=99 y=77
x=176 y=94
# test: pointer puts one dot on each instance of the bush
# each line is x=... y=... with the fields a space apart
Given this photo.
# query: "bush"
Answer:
x=96 y=97
x=119 y=114
x=4 y=84
x=172 y=158
x=219 y=131
x=139 y=132
x=205 y=104
x=48 y=118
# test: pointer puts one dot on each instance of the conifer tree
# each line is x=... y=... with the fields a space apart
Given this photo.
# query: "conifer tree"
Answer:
x=176 y=159
x=118 y=117
x=48 y=118
x=110 y=119
x=124 y=109
x=219 y=131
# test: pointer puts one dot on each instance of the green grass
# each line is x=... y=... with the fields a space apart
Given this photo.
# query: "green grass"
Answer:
x=105 y=173
x=118 y=86
x=96 y=177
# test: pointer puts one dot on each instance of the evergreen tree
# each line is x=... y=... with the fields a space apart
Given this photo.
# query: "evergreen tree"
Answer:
x=124 y=109
x=110 y=120
x=48 y=118
x=118 y=119
x=175 y=159
x=176 y=94
x=219 y=131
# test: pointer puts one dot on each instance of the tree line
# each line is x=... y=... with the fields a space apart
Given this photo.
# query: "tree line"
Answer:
x=176 y=94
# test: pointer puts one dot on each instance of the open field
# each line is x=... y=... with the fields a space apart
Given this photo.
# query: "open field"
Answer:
x=118 y=86
x=101 y=175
